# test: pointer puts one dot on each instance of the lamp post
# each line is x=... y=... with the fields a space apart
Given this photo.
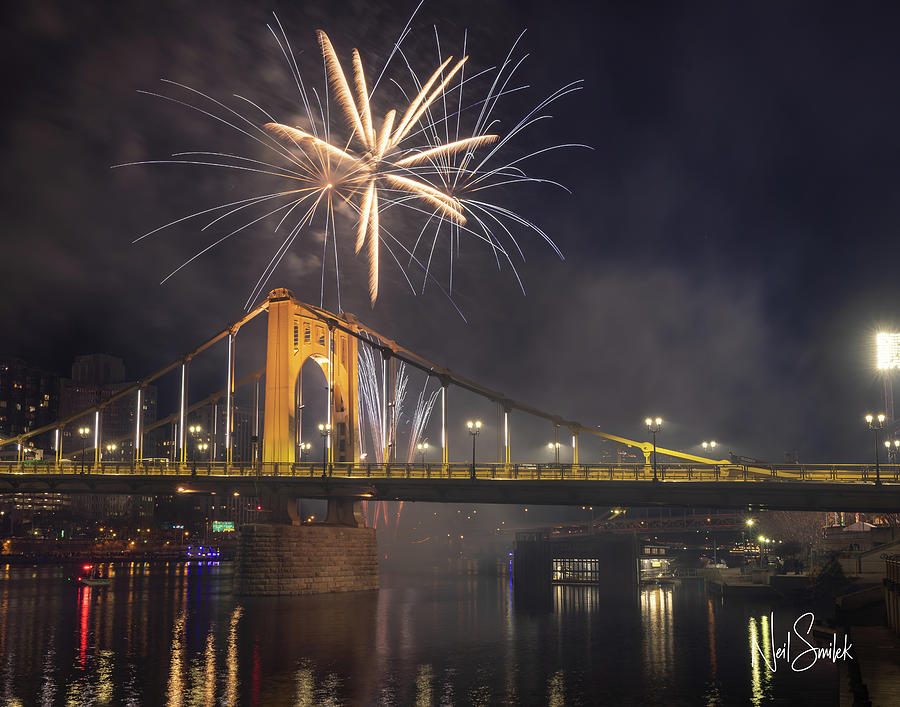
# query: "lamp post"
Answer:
x=202 y=446
x=83 y=432
x=554 y=448
x=474 y=429
x=304 y=450
x=423 y=450
x=195 y=430
x=325 y=431
x=876 y=424
x=653 y=426
x=748 y=528
x=110 y=448
x=892 y=448
x=709 y=446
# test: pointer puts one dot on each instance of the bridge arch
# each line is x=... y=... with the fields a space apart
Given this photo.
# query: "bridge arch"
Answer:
x=295 y=335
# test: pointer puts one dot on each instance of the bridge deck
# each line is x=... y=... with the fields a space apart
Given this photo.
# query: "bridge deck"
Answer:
x=832 y=487
x=835 y=473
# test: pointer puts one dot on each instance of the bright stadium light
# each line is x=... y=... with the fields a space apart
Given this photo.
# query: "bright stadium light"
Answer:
x=888 y=350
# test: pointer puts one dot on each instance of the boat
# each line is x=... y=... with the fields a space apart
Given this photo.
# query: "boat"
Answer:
x=93 y=578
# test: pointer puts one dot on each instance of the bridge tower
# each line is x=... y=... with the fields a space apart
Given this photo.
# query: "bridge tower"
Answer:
x=295 y=334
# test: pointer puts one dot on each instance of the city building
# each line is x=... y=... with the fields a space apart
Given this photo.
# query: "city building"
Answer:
x=95 y=378
x=29 y=399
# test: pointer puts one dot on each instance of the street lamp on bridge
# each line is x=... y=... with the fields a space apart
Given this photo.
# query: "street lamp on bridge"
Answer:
x=110 y=448
x=876 y=424
x=654 y=425
x=325 y=431
x=554 y=448
x=195 y=431
x=304 y=450
x=423 y=450
x=474 y=429
x=709 y=446
x=83 y=432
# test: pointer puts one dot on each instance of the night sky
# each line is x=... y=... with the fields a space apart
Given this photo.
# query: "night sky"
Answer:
x=730 y=240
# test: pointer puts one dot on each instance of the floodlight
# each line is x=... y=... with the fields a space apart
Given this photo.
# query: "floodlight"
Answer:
x=888 y=350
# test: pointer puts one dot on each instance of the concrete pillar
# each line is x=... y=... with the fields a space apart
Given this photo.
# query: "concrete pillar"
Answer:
x=345 y=511
x=317 y=558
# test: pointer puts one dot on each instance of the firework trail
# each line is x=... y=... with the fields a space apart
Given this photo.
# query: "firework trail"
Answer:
x=410 y=162
x=420 y=417
x=372 y=407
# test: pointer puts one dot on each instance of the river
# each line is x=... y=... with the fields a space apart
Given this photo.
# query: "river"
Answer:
x=175 y=634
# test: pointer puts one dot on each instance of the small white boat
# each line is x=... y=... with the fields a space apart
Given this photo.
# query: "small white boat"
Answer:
x=93 y=578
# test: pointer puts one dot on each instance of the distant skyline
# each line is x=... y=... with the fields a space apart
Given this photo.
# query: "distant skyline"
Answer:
x=730 y=248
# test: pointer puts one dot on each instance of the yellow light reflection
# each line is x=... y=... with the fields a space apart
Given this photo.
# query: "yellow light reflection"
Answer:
x=231 y=683
x=657 y=617
x=306 y=686
x=556 y=690
x=424 y=678
x=176 y=667
x=760 y=677
x=210 y=656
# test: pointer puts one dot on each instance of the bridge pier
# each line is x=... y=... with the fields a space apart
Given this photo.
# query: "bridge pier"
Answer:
x=286 y=557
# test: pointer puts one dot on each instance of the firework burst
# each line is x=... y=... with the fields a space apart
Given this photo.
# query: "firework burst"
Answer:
x=410 y=161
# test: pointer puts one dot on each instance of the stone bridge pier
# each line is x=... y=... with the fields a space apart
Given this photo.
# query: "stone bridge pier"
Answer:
x=288 y=557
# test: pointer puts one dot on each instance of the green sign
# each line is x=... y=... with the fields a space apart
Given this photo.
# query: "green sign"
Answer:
x=223 y=526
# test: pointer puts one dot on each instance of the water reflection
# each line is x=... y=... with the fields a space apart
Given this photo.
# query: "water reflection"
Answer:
x=176 y=635
x=758 y=633
x=176 y=669
x=231 y=681
x=657 y=614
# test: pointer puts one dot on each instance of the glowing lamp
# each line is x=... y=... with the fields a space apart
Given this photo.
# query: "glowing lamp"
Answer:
x=888 y=351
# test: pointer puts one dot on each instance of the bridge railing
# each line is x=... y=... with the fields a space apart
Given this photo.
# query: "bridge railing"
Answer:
x=848 y=473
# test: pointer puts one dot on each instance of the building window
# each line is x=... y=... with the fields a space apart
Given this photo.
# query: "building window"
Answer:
x=576 y=570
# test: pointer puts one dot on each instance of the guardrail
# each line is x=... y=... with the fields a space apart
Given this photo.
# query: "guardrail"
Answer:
x=841 y=473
